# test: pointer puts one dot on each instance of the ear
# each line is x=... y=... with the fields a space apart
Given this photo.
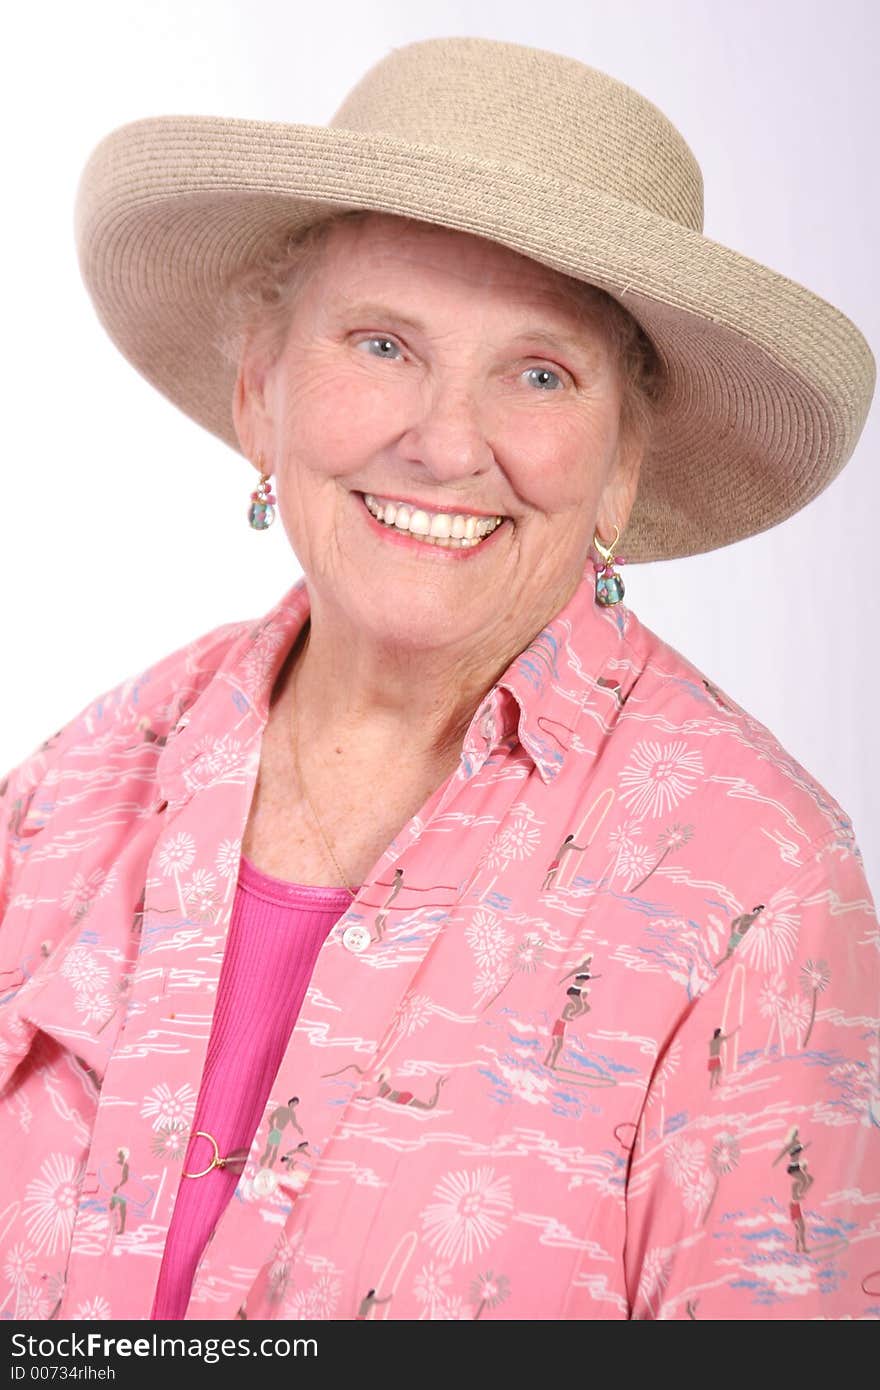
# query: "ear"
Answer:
x=619 y=492
x=250 y=413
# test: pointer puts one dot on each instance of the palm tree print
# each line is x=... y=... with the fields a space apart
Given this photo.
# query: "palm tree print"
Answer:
x=668 y=840
x=723 y=1159
x=771 y=1003
x=815 y=979
x=529 y=955
x=488 y=1290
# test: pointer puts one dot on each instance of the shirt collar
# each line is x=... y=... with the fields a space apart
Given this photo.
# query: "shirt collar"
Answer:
x=216 y=735
x=577 y=658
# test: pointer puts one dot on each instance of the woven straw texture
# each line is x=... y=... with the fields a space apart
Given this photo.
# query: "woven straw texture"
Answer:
x=769 y=385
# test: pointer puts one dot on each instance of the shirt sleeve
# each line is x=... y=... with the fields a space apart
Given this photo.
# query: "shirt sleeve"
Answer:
x=754 y=1180
x=156 y=694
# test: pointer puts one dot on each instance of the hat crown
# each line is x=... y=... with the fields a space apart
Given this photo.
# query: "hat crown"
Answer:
x=527 y=107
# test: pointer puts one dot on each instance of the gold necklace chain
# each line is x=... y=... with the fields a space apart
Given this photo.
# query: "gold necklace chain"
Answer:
x=302 y=786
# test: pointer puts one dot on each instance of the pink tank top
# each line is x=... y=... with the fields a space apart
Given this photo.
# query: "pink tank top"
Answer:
x=275 y=933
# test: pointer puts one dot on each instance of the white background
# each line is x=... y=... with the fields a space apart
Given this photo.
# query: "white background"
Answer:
x=124 y=530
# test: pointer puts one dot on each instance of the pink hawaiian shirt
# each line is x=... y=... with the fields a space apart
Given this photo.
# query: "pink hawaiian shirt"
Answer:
x=599 y=1037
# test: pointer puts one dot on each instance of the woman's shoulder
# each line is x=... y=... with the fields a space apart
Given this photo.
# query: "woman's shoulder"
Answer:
x=731 y=755
x=149 y=703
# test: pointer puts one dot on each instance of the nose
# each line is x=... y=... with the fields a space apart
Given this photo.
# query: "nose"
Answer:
x=448 y=440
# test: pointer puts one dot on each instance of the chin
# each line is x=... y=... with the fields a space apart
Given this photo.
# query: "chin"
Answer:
x=407 y=629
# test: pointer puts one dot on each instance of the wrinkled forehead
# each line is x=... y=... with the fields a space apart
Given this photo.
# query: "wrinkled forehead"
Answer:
x=383 y=251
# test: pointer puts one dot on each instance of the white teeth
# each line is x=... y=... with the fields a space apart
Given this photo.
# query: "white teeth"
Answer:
x=433 y=528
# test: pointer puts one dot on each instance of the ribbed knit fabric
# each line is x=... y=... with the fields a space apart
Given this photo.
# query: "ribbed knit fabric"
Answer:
x=276 y=931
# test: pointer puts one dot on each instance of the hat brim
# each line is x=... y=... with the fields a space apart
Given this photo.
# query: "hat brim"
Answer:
x=769 y=385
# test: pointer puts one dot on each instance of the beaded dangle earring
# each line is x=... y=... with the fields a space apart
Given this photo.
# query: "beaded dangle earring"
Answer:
x=609 y=584
x=261 y=512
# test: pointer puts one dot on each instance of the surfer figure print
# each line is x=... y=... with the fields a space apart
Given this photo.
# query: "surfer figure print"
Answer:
x=801 y=1182
x=738 y=928
x=565 y=848
x=368 y=1303
x=382 y=916
x=576 y=1005
x=386 y=1092
x=281 y=1117
x=715 y=1042
x=118 y=1201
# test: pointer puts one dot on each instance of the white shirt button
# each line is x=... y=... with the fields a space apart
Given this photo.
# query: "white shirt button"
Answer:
x=265 y=1182
x=356 y=938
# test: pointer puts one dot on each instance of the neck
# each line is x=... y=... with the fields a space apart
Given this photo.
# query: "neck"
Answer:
x=402 y=708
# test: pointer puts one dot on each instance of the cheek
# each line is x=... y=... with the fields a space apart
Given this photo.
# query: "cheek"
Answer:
x=331 y=420
x=565 y=470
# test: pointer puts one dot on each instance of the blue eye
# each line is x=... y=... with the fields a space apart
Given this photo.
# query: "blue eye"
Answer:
x=545 y=372
x=387 y=342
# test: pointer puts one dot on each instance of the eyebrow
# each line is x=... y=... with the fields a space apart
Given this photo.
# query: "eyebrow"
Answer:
x=559 y=338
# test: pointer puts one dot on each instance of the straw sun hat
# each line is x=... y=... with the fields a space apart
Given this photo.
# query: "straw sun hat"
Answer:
x=768 y=385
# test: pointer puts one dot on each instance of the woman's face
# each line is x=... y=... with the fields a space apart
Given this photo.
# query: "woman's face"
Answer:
x=437 y=371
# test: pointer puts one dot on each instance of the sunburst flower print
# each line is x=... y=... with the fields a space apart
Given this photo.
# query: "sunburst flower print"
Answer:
x=201 y=896
x=321 y=1300
x=488 y=939
x=771 y=1002
x=686 y=1165
x=19 y=1264
x=620 y=835
x=518 y=839
x=468 y=1212
x=33 y=1304
x=451 y=1309
x=431 y=1286
x=659 y=776
x=684 y=1160
x=633 y=862
x=50 y=1203
x=95 y=1008
x=795 y=1016
x=170 y=1141
x=214 y=758
x=177 y=854
x=82 y=891
x=413 y=1014
x=84 y=970
x=261 y=660
x=528 y=956
x=166 y=1107
x=92 y=1310
x=228 y=858
x=770 y=942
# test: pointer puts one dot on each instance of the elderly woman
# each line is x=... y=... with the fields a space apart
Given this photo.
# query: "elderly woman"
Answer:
x=444 y=944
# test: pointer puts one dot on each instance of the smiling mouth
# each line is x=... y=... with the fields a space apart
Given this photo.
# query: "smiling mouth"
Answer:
x=450 y=530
